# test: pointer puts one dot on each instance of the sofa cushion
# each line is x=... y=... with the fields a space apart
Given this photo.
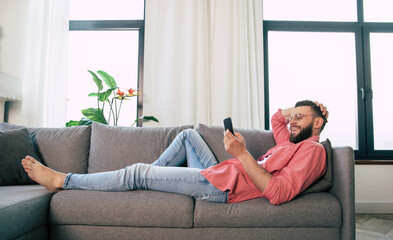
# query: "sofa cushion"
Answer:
x=63 y=149
x=312 y=210
x=257 y=141
x=130 y=208
x=15 y=145
x=326 y=181
x=23 y=209
x=8 y=126
x=115 y=147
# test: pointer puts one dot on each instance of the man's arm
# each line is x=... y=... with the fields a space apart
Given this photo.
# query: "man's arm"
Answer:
x=279 y=123
x=300 y=172
x=236 y=146
x=286 y=113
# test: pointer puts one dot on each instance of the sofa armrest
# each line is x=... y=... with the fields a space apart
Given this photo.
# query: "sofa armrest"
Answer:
x=344 y=188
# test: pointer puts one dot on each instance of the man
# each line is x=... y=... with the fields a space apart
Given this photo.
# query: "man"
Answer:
x=283 y=172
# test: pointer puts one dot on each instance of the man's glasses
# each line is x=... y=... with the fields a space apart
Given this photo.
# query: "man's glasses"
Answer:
x=298 y=117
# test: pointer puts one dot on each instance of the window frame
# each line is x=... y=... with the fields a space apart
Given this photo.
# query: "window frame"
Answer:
x=120 y=25
x=366 y=154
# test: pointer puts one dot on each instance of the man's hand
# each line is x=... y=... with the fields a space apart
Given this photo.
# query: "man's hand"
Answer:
x=324 y=110
x=234 y=144
x=288 y=111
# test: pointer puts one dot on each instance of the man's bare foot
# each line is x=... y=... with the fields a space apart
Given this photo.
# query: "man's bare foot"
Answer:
x=43 y=175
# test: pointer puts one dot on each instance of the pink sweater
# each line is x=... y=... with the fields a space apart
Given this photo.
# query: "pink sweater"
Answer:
x=294 y=167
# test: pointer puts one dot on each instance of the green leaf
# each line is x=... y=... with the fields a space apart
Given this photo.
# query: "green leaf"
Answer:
x=72 y=123
x=102 y=96
x=83 y=121
x=149 y=118
x=94 y=94
x=145 y=119
x=97 y=80
x=108 y=79
x=95 y=115
x=105 y=95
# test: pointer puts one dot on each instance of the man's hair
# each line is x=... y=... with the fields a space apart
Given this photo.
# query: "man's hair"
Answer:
x=317 y=110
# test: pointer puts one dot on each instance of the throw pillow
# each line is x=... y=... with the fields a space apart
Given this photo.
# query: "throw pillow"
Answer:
x=14 y=146
x=326 y=181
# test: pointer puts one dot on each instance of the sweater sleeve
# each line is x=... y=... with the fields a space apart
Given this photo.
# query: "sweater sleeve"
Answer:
x=305 y=167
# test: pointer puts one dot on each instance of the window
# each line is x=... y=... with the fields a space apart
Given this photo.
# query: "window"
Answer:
x=109 y=36
x=382 y=82
x=337 y=52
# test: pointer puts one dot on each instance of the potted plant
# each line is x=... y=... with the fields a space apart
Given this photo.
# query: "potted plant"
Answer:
x=112 y=97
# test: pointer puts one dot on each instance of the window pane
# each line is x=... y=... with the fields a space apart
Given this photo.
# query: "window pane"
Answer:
x=106 y=10
x=382 y=84
x=115 y=52
x=378 y=10
x=316 y=66
x=310 y=10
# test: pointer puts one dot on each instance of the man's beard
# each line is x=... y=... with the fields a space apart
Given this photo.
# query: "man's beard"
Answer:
x=302 y=135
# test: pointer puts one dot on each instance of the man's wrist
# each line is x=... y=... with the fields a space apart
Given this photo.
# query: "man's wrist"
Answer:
x=286 y=112
x=245 y=155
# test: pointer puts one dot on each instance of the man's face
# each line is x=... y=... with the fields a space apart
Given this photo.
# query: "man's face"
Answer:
x=301 y=124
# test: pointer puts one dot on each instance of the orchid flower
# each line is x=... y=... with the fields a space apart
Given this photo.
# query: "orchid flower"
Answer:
x=132 y=92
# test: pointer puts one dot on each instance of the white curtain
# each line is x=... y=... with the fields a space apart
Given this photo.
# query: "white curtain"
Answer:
x=44 y=77
x=204 y=62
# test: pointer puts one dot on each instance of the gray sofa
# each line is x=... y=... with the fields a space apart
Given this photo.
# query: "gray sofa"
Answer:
x=30 y=211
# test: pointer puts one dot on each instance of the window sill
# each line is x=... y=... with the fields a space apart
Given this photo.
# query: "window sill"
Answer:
x=373 y=162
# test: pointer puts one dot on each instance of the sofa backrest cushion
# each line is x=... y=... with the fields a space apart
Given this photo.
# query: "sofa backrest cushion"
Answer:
x=8 y=126
x=326 y=181
x=14 y=146
x=257 y=141
x=63 y=149
x=115 y=147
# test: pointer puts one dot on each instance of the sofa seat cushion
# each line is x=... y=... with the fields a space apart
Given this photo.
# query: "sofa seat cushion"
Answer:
x=23 y=209
x=312 y=210
x=131 y=209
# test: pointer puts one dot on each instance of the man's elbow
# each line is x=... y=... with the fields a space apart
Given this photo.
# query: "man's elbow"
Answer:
x=278 y=201
x=264 y=183
x=278 y=193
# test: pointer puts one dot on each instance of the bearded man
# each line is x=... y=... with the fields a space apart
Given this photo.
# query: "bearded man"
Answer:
x=283 y=172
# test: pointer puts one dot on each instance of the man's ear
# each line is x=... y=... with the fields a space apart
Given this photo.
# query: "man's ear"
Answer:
x=318 y=123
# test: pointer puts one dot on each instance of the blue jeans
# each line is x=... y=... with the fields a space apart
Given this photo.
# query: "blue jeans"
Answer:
x=163 y=175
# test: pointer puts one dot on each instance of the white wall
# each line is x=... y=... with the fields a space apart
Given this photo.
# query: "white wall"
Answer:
x=374 y=188
x=13 y=26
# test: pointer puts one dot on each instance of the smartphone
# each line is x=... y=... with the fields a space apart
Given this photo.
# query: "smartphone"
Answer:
x=228 y=124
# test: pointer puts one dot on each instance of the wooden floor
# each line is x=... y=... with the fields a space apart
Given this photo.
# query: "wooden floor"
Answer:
x=372 y=226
